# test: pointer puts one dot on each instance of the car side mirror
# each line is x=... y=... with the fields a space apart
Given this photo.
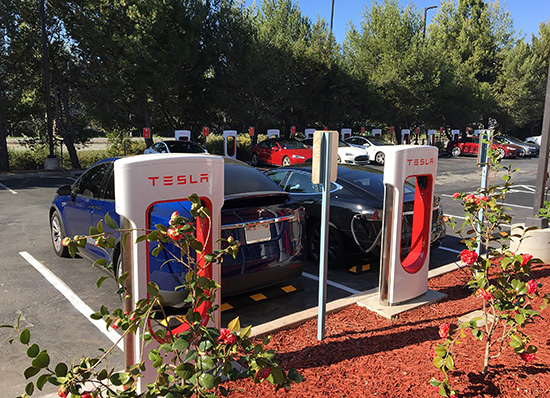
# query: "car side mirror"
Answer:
x=64 y=190
x=274 y=148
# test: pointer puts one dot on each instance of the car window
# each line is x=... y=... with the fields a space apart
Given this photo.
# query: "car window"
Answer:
x=356 y=140
x=159 y=147
x=184 y=147
x=239 y=178
x=109 y=192
x=277 y=176
x=292 y=144
x=299 y=182
x=89 y=184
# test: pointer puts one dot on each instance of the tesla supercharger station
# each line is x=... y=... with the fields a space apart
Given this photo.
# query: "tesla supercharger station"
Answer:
x=377 y=133
x=455 y=134
x=345 y=133
x=405 y=136
x=183 y=135
x=273 y=133
x=477 y=133
x=404 y=279
x=431 y=137
x=142 y=184
x=226 y=135
x=309 y=133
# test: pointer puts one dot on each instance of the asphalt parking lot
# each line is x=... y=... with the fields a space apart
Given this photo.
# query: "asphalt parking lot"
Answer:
x=54 y=296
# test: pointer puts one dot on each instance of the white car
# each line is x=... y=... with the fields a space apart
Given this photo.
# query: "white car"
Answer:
x=175 y=147
x=374 y=146
x=536 y=139
x=347 y=153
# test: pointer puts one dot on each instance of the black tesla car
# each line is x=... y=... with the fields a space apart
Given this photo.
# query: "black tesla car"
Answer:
x=356 y=210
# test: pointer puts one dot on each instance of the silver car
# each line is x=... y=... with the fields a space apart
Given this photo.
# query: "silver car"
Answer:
x=529 y=148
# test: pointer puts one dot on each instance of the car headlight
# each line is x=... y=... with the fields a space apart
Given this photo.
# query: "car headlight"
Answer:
x=298 y=157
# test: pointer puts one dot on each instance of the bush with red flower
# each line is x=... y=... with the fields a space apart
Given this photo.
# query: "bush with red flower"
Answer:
x=191 y=363
x=499 y=278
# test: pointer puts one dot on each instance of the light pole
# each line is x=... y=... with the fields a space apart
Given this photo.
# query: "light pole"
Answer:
x=331 y=16
x=425 y=14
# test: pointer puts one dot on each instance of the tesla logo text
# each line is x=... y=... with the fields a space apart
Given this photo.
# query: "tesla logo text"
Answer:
x=178 y=180
x=420 y=162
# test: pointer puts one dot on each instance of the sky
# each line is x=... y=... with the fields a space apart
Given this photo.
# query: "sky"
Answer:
x=526 y=14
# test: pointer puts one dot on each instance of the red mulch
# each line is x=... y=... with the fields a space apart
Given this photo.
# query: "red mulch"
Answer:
x=365 y=355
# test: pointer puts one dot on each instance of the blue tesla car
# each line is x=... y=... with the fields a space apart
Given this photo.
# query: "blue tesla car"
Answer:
x=269 y=225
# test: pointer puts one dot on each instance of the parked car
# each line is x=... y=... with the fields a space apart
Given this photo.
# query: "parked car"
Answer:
x=375 y=147
x=267 y=255
x=280 y=152
x=529 y=149
x=470 y=146
x=346 y=153
x=535 y=139
x=175 y=147
x=356 y=210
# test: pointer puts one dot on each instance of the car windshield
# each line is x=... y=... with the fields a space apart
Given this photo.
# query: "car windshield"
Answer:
x=378 y=141
x=183 y=147
x=240 y=179
x=371 y=181
x=292 y=144
x=343 y=144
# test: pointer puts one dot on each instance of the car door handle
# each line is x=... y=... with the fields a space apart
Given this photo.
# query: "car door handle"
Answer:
x=94 y=207
x=308 y=202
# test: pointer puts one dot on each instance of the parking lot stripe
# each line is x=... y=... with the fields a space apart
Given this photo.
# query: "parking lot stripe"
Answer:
x=76 y=301
x=448 y=249
x=8 y=189
x=331 y=283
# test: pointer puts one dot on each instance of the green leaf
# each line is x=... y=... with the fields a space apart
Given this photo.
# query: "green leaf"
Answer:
x=235 y=325
x=205 y=362
x=449 y=362
x=180 y=344
x=110 y=222
x=141 y=238
x=30 y=372
x=440 y=351
x=438 y=362
x=295 y=376
x=152 y=289
x=206 y=380
x=42 y=360
x=29 y=388
x=25 y=336
x=33 y=351
x=119 y=379
x=61 y=370
x=434 y=382
x=185 y=370
x=278 y=375
x=190 y=356
x=205 y=345
x=99 y=227
x=245 y=332
x=100 y=281
x=41 y=381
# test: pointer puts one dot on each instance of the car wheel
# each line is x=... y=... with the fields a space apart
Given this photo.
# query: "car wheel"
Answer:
x=286 y=161
x=501 y=153
x=379 y=158
x=254 y=160
x=456 y=151
x=57 y=234
x=336 y=252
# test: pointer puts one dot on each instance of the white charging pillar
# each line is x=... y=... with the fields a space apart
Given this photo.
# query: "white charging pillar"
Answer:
x=404 y=279
x=273 y=133
x=455 y=134
x=143 y=181
x=309 y=133
x=232 y=153
x=345 y=133
x=377 y=133
x=405 y=136
x=183 y=135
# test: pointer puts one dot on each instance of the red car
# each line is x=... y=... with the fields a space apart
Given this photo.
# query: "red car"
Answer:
x=470 y=146
x=280 y=152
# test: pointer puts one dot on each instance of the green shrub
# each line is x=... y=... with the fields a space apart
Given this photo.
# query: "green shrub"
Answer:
x=214 y=145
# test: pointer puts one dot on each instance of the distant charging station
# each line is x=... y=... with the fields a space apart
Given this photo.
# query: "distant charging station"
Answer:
x=309 y=133
x=345 y=133
x=431 y=137
x=455 y=134
x=183 y=135
x=230 y=143
x=377 y=133
x=403 y=279
x=273 y=133
x=151 y=186
x=405 y=136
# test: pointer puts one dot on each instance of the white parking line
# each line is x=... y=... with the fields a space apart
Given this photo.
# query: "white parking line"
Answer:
x=77 y=303
x=448 y=249
x=331 y=283
x=8 y=189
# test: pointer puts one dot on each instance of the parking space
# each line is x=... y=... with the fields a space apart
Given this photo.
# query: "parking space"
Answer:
x=25 y=291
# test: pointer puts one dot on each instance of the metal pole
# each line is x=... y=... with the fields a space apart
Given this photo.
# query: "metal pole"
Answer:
x=331 y=16
x=46 y=66
x=542 y=170
x=324 y=235
x=425 y=16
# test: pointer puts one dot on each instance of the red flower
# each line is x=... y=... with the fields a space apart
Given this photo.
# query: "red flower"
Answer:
x=532 y=286
x=484 y=294
x=62 y=392
x=456 y=195
x=174 y=234
x=444 y=330
x=115 y=324
x=444 y=219
x=526 y=258
x=66 y=241
x=527 y=357
x=470 y=198
x=227 y=337
x=86 y=395
x=433 y=352
x=263 y=373
x=468 y=257
x=482 y=198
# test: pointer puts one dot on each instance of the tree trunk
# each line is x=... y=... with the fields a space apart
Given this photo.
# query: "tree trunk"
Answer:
x=4 y=156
